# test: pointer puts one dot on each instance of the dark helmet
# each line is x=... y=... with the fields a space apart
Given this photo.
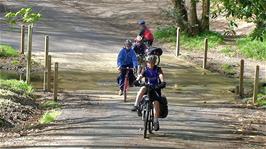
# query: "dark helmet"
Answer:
x=128 y=43
x=151 y=58
x=141 y=22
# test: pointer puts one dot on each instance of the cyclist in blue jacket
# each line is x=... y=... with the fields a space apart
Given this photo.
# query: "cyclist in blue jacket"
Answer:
x=126 y=58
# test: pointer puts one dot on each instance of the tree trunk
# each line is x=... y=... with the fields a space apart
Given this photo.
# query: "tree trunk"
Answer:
x=205 y=20
x=182 y=18
x=192 y=17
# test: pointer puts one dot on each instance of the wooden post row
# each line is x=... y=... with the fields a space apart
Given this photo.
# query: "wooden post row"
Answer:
x=22 y=39
x=241 y=79
x=205 y=53
x=177 y=41
x=29 y=47
x=46 y=52
x=49 y=73
x=55 y=80
x=256 y=84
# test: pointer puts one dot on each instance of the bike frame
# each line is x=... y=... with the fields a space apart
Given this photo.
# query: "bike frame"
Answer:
x=126 y=83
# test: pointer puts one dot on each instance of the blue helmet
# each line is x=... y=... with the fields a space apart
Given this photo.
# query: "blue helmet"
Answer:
x=141 y=22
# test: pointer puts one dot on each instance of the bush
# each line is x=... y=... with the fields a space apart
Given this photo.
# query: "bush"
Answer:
x=49 y=116
x=168 y=34
x=7 y=51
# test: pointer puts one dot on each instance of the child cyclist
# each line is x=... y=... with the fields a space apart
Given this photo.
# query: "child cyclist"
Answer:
x=126 y=59
x=155 y=77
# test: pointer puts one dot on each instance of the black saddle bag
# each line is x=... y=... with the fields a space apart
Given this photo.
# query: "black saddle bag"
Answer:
x=163 y=107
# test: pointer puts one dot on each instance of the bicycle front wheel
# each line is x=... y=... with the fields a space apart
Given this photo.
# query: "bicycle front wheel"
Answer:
x=146 y=119
x=125 y=89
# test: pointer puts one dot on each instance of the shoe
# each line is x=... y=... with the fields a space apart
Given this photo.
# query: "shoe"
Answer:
x=156 y=126
x=135 y=108
x=120 y=92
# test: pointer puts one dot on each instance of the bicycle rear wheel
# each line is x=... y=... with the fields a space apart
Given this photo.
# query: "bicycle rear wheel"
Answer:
x=146 y=119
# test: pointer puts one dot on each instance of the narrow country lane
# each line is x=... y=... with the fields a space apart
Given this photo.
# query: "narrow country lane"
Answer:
x=85 y=43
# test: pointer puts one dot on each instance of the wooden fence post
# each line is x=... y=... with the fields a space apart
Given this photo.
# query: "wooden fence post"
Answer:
x=22 y=39
x=256 y=84
x=55 y=80
x=29 y=47
x=49 y=73
x=205 y=53
x=241 y=79
x=177 y=41
x=46 y=51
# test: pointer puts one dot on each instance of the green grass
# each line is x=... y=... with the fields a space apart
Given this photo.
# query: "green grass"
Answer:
x=229 y=51
x=15 y=62
x=50 y=104
x=262 y=97
x=252 y=49
x=49 y=116
x=168 y=34
x=7 y=51
x=228 y=69
x=16 y=86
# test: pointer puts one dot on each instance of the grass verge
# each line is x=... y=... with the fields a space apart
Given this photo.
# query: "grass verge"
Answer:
x=16 y=86
x=49 y=116
x=7 y=51
x=50 y=104
x=168 y=34
x=252 y=48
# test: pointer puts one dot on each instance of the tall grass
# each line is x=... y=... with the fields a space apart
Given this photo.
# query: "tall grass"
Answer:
x=16 y=86
x=7 y=51
x=252 y=48
x=49 y=116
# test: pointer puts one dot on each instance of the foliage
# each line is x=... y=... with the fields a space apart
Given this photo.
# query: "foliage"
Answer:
x=7 y=51
x=24 y=15
x=16 y=86
x=252 y=49
x=50 y=104
x=250 y=10
x=228 y=69
x=168 y=34
x=229 y=51
x=49 y=116
x=15 y=62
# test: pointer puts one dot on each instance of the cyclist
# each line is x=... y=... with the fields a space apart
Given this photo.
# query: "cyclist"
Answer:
x=155 y=77
x=140 y=48
x=145 y=33
x=126 y=59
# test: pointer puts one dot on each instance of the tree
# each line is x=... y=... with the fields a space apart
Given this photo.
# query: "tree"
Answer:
x=249 y=10
x=23 y=16
x=185 y=15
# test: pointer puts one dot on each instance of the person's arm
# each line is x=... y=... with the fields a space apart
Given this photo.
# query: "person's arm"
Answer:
x=161 y=75
x=120 y=59
x=141 y=75
x=134 y=59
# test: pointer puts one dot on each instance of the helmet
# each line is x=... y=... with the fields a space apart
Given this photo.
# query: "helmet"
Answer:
x=151 y=58
x=138 y=38
x=128 y=43
x=141 y=22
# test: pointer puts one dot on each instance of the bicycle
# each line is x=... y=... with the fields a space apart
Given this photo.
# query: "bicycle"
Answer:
x=126 y=82
x=146 y=108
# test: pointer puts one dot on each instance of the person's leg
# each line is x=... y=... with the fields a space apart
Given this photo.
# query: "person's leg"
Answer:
x=139 y=96
x=132 y=78
x=156 y=110
x=122 y=79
